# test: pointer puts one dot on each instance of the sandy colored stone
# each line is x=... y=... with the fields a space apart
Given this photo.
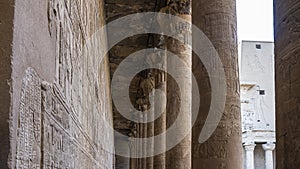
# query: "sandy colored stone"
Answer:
x=224 y=147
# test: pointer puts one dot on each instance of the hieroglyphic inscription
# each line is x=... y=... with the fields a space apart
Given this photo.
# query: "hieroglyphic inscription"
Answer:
x=56 y=144
x=211 y=149
x=49 y=133
x=65 y=143
x=29 y=122
x=74 y=103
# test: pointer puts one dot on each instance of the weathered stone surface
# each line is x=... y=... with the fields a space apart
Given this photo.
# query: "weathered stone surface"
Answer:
x=179 y=91
x=159 y=161
x=217 y=19
x=29 y=123
x=54 y=90
x=287 y=60
x=66 y=144
x=116 y=9
x=58 y=123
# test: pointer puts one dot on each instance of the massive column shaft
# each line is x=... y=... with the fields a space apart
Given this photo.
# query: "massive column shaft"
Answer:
x=179 y=100
x=179 y=157
x=287 y=61
x=217 y=19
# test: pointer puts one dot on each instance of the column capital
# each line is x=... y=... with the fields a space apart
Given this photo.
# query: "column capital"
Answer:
x=268 y=146
x=249 y=146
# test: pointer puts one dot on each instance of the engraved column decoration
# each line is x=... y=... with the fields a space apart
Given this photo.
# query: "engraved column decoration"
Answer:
x=287 y=80
x=217 y=20
x=179 y=100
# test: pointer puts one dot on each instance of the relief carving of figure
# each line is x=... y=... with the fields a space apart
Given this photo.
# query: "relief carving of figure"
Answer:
x=147 y=85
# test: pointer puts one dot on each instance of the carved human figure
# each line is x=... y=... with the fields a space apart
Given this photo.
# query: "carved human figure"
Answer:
x=147 y=85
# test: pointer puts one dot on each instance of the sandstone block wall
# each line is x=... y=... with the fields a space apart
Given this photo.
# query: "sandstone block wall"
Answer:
x=60 y=95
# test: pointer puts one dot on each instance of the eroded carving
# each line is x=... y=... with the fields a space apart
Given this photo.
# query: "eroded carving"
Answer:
x=29 y=122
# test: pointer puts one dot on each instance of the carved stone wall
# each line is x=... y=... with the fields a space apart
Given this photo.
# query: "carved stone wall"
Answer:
x=60 y=89
x=29 y=123
x=287 y=61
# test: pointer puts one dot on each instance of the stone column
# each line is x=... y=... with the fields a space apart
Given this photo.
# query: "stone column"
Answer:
x=133 y=161
x=287 y=79
x=144 y=133
x=160 y=123
x=139 y=135
x=217 y=19
x=124 y=162
x=269 y=147
x=179 y=100
x=150 y=133
x=140 y=151
x=249 y=148
x=160 y=127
